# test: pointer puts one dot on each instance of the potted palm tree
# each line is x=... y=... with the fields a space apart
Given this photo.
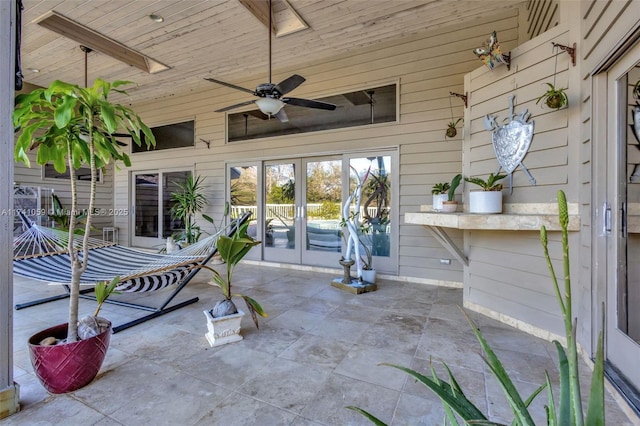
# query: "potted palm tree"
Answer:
x=223 y=321
x=71 y=126
x=489 y=200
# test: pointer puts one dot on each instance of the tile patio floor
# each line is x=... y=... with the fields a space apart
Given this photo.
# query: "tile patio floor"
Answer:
x=317 y=352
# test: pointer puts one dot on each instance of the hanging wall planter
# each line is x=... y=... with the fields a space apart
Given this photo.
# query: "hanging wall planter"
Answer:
x=451 y=128
x=554 y=98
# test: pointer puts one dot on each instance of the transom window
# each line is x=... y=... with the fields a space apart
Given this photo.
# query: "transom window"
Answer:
x=358 y=108
x=178 y=135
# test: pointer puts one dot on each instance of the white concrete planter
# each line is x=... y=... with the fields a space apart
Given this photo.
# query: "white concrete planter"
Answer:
x=485 y=202
x=369 y=275
x=437 y=201
x=223 y=330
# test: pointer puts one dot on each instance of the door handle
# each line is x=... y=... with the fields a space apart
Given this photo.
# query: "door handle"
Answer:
x=623 y=219
x=606 y=219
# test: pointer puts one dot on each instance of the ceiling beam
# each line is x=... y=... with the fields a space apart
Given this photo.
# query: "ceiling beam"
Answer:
x=260 y=9
x=62 y=25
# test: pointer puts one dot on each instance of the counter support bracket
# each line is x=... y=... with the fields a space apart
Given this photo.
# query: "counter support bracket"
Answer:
x=443 y=238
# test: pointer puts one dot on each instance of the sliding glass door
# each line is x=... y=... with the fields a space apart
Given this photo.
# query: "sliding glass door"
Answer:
x=151 y=193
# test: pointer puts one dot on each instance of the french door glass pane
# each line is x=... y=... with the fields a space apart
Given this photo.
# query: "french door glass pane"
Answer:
x=375 y=206
x=323 y=205
x=243 y=181
x=146 y=203
x=171 y=182
x=280 y=206
x=629 y=286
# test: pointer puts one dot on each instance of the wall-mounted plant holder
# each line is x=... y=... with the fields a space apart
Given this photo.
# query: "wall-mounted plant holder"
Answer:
x=491 y=54
x=571 y=50
x=463 y=97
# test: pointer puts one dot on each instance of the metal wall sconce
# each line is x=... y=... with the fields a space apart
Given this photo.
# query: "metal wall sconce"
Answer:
x=571 y=50
x=463 y=97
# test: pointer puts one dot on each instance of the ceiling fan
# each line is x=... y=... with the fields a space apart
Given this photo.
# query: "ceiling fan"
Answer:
x=270 y=96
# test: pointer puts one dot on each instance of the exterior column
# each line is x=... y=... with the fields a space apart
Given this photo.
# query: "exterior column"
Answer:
x=9 y=392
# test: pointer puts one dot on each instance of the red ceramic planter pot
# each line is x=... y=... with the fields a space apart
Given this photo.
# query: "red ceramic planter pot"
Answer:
x=67 y=367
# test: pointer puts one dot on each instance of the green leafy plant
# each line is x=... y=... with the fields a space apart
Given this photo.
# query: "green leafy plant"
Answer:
x=62 y=216
x=554 y=98
x=440 y=188
x=569 y=409
x=232 y=250
x=491 y=184
x=451 y=128
x=455 y=182
x=103 y=290
x=187 y=202
x=70 y=126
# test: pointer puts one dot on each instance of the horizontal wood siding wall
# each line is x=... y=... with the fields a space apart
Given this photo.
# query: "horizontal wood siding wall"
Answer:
x=605 y=26
x=32 y=176
x=507 y=272
x=542 y=15
x=427 y=66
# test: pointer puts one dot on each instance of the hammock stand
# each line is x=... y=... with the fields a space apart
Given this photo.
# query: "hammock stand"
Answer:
x=155 y=311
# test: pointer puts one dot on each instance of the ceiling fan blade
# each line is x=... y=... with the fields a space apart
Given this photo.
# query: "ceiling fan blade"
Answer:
x=308 y=103
x=282 y=116
x=234 y=106
x=233 y=86
x=288 y=84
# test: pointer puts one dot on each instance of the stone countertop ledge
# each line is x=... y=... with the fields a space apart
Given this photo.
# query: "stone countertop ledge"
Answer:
x=515 y=217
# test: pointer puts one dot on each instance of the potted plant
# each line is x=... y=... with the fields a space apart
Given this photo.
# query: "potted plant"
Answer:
x=187 y=202
x=489 y=200
x=64 y=368
x=554 y=98
x=450 y=205
x=72 y=126
x=223 y=321
x=439 y=192
x=451 y=128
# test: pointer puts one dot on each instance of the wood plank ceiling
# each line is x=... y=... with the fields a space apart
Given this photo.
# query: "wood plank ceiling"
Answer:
x=222 y=38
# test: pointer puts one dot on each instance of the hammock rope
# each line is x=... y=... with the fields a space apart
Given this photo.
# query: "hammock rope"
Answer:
x=42 y=253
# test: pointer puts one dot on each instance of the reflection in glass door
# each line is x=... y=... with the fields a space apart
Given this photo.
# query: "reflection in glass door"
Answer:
x=244 y=197
x=152 y=204
x=281 y=212
x=375 y=209
x=623 y=277
x=322 y=211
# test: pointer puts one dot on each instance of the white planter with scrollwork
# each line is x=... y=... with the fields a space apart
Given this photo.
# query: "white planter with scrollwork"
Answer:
x=224 y=329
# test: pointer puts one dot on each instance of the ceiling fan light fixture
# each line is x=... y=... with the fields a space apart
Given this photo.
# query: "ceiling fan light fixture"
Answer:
x=269 y=106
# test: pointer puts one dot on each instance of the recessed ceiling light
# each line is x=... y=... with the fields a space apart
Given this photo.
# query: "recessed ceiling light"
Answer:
x=33 y=70
x=156 y=18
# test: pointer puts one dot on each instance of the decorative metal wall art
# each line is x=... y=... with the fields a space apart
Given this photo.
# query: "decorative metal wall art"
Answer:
x=511 y=141
x=491 y=53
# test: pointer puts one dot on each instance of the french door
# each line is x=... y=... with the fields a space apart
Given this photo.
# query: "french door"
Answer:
x=297 y=206
x=302 y=210
x=623 y=197
x=151 y=194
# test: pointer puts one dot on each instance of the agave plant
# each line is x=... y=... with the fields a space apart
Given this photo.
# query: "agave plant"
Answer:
x=569 y=409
